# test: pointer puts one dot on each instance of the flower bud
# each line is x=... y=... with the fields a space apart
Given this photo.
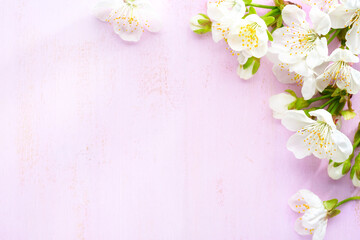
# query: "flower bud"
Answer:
x=348 y=114
x=200 y=24
x=338 y=170
x=280 y=104
x=355 y=172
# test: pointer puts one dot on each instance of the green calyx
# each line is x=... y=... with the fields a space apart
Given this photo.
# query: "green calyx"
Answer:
x=330 y=206
x=254 y=62
x=203 y=24
x=299 y=103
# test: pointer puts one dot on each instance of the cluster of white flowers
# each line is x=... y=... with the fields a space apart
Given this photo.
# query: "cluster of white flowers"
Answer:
x=245 y=32
x=129 y=18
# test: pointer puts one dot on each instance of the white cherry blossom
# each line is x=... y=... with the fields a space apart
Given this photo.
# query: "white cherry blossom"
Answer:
x=340 y=72
x=249 y=36
x=279 y=103
x=129 y=18
x=223 y=14
x=323 y=5
x=348 y=15
x=300 y=44
x=314 y=221
x=318 y=137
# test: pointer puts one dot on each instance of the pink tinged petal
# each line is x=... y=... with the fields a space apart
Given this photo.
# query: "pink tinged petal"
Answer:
x=300 y=229
x=292 y=15
x=308 y=89
x=353 y=38
x=297 y=145
x=341 y=16
x=295 y=120
x=343 y=146
x=324 y=116
x=103 y=9
x=345 y=55
x=320 y=230
x=320 y=20
x=133 y=36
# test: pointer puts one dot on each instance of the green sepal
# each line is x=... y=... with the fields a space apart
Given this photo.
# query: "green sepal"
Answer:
x=204 y=22
x=205 y=16
x=357 y=137
x=248 y=63
x=291 y=92
x=252 y=10
x=203 y=30
x=346 y=167
x=301 y=103
x=330 y=204
x=333 y=213
x=256 y=66
x=269 y=36
x=268 y=20
x=247 y=1
x=279 y=22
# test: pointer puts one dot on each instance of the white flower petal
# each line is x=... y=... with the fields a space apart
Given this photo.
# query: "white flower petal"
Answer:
x=245 y=74
x=318 y=55
x=300 y=229
x=343 y=146
x=345 y=55
x=320 y=20
x=297 y=145
x=308 y=89
x=279 y=104
x=320 y=230
x=341 y=16
x=103 y=9
x=353 y=38
x=295 y=120
x=293 y=15
x=314 y=216
x=324 y=116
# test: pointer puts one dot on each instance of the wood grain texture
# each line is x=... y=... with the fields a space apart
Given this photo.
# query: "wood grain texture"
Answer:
x=159 y=140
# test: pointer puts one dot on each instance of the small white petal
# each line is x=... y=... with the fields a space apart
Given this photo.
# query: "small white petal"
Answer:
x=343 y=146
x=308 y=89
x=320 y=20
x=324 y=116
x=103 y=9
x=335 y=172
x=345 y=55
x=294 y=120
x=279 y=104
x=341 y=16
x=353 y=38
x=293 y=15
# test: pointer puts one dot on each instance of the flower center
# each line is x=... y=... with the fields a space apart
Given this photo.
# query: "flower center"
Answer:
x=318 y=138
x=248 y=36
x=300 y=41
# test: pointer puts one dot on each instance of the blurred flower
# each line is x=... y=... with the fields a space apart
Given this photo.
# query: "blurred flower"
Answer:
x=129 y=18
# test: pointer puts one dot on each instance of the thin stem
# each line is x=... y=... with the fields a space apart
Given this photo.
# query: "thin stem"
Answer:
x=319 y=98
x=261 y=6
x=333 y=36
x=347 y=200
x=327 y=103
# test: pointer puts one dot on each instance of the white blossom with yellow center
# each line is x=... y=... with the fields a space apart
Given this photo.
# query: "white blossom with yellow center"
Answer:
x=223 y=13
x=248 y=37
x=299 y=44
x=348 y=15
x=340 y=72
x=129 y=18
x=323 y=5
x=318 y=137
x=314 y=220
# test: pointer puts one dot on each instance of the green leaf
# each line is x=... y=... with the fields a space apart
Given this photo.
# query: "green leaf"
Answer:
x=256 y=66
x=268 y=20
x=252 y=10
x=330 y=204
x=334 y=213
x=248 y=63
x=269 y=36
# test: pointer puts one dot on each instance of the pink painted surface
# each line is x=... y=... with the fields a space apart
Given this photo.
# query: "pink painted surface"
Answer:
x=102 y=139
